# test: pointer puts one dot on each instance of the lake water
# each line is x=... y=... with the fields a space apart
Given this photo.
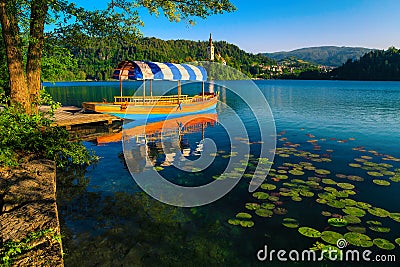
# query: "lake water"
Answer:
x=323 y=125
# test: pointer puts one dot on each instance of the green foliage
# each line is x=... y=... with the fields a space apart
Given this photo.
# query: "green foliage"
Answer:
x=323 y=55
x=57 y=63
x=375 y=65
x=10 y=250
x=24 y=135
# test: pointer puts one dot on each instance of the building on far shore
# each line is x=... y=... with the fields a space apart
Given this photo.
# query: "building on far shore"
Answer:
x=211 y=50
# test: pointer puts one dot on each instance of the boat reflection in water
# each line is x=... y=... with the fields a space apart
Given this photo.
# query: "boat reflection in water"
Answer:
x=163 y=143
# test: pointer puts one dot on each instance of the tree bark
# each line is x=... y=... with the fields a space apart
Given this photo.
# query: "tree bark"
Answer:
x=19 y=90
x=39 y=10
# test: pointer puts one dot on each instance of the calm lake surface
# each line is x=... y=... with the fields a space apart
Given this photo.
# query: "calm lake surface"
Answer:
x=322 y=127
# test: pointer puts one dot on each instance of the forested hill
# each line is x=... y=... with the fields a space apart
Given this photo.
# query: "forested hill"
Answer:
x=324 y=55
x=98 y=57
x=376 y=65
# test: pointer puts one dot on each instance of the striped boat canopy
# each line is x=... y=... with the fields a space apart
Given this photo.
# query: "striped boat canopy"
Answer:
x=142 y=70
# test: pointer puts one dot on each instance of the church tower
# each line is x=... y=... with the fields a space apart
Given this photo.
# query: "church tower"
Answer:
x=210 y=50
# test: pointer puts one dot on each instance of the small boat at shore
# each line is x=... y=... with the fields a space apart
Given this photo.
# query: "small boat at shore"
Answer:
x=157 y=107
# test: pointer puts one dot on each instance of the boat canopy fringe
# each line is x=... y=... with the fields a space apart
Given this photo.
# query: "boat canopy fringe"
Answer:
x=143 y=70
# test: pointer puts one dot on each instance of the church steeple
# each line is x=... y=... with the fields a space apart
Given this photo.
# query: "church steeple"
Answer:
x=210 y=49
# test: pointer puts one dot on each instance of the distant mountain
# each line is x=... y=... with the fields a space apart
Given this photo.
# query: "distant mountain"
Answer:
x=323 y=55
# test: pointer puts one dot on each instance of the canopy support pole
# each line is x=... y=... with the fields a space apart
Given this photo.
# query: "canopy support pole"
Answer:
x=120 y=85
x=202 y=92
x=144 y=90
x=151 y=88
x=179 y=92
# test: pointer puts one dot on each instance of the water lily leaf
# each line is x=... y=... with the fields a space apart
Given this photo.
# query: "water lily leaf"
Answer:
x=380 y=229
x=234 y=221
x=297 y=199
x=354 y=211
x=158 y=168
x=296 y=172
x=268 y=206
x=352 y=219
x=247 y=224
x=328 y=181
x=252 y=206
x=331 y=237
x=309 y=232
x=395 y=216
x=321 y=201
x=243 y=215
x=322 y=171
x=330 y=189
x=335 y=204
x=345 y=185
x=290 y=223
x=381 y=182
x=384 y=244
x=268 y=186
x=358 y=239
x=355 y=178
x=264 y=212
x=397 y=241
x=375 y=174
x=260 y=195
x=349 y=202
x=378 y=212
x=363 y=205
x=280 y=211
x=326 y=213
x=357 y=229
x=337 y=222
x=376 y=223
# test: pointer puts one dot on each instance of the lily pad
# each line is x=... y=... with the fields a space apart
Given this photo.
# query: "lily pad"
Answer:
x=378 y=212
x=363 y=205
x=395 y=216
x=337 y=222
x=335 y=204
x=380 y=229
x=328 y=181
x=384 y=244
x=354 y=211
x=349 y=202
x=290 y=223
x=331 y=237
x=375 y=223
x=252 y=206
x=351 y=219
x=375 y=174
x=345 y=185
x=247 y=224
x=322 y=171
x=355 y=178
x=381 y=182
x=234 y=221
x=268 y=186
x=397 y=241
x=297 y=199
x=357 y=229
x=358 y=239
x=243 y=215
x=264 y=212
x=296 y=172
x=260 y=195
x=273 y=198
x=268 y=206
x=158 y=168
x=326 y=213
x=306 y=193
x=309 y=232
x=321 y=201
x=280 y=211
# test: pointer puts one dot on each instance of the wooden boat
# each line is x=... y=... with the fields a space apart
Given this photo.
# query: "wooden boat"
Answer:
x=157 y=107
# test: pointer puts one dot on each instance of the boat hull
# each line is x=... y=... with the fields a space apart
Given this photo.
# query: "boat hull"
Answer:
x=151 y=112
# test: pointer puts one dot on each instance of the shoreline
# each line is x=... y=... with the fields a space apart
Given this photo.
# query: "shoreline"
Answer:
x=29 y=214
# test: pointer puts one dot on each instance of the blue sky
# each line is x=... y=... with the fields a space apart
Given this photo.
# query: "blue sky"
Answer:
x=276 y=25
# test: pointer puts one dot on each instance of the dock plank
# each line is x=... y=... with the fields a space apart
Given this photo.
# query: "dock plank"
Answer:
x=67 y=116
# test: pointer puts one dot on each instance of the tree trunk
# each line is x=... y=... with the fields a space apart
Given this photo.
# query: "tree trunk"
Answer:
x=39 y=10
x=19 y=89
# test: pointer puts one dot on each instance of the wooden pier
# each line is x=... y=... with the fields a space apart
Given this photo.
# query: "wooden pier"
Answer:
x=68 y=116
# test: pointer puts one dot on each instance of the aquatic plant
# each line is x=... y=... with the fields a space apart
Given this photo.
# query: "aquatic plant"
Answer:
x=351 y=219
x=260 y=195
x=345 y=185
x=354 y=211
x=331 y=237
x=383 y=244
x=243 y=215
x=247 y=224
x=381 y=182
x=264 y=212
x=328 y=181
x=309 y=232
x=322 y=172
x=380 y=229
x=375 y=174
x=290 y=223
x=358 y=239
x=268 y=186
x=252 y=206
x=357 y=229
x=337 y=222
x=378 y=212
x=335 y=204
x=280 y=211
x=268 y=206
x=395 y=216
x=397 y=241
